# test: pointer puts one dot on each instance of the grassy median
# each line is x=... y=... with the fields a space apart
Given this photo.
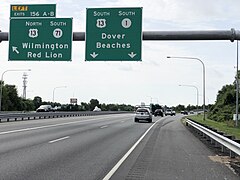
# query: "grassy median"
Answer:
x=226 y=127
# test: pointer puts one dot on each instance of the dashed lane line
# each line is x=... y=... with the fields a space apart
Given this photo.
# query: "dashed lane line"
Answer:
x=49 y=126
x=60 y=139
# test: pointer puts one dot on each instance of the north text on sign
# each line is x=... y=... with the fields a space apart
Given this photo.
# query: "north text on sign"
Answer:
x=36 y=23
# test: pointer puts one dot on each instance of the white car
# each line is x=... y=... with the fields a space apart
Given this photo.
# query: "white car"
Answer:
x=97 y=109
x=143 y=114
x=170 y=112
x=45 y=108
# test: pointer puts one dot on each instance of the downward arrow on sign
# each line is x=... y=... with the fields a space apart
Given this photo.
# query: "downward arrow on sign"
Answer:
x=132 y=55
x=94 y=55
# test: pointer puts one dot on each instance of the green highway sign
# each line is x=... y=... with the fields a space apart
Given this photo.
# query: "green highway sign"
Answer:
x=113 y=34
x=40 y=39
x=32 y=10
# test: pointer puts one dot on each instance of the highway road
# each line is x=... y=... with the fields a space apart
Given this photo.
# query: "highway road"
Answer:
x=105 y=147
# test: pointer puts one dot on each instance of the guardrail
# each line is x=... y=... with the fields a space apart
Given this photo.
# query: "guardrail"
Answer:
x=216 y=138
x=45 y=115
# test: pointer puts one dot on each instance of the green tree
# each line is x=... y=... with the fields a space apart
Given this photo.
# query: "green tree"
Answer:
x=103 y=107
x=37 y=101
x=224 y=107
x=84 y=106
x=155 y=106
x=93 y=104
x=179 y=108
x=190 y=107
x=10 y=99
x=70 y=107
x=124 y=107
x=112 y=107
x=27 y=105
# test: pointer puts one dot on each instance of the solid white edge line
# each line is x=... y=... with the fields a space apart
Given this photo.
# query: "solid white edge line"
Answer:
x=115 y=168
x=60 y=139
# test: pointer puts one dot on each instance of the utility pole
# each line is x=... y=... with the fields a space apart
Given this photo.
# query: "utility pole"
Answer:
x=25 y=85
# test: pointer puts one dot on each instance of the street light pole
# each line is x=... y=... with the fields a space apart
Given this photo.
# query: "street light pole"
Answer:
x=157 y=100
x=1 y=84
x=150 y=99
x=55 y=89
x=204 y=81
x=197 y=92
x=237 y=90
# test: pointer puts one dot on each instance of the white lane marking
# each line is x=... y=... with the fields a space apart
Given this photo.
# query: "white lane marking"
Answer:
x=122 y=121
x=115 y=168
x=60 y=139
x=53 y=125
x=103 y=127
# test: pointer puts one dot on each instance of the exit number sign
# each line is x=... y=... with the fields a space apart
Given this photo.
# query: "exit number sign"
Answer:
x=32 y=10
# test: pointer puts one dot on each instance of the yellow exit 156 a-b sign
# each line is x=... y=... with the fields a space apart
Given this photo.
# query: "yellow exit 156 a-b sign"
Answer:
x=33 y=10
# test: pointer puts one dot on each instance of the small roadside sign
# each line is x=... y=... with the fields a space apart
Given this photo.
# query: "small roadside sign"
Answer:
x=73 y=100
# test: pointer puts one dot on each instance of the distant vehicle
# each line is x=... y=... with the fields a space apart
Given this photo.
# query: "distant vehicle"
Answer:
x=97 y=109
x=170 y=112
x=45 y=108
x=173 y=113
x=57 y=108
x=158 y=112
x=184 y=112
x=191 y=112
x=143 y=114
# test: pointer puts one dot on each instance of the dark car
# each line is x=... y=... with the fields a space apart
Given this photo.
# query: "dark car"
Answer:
x=158 y=112
x=184 y=112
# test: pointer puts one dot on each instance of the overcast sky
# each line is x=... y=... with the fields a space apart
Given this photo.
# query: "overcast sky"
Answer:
x=154 y=79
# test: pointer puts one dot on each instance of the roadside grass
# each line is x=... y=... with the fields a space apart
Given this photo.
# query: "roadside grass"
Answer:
x=226 y=127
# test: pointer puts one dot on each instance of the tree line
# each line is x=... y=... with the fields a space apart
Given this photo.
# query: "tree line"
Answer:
x=225 y=105
x=180 y=107
x=12 y=102
x=222 y=110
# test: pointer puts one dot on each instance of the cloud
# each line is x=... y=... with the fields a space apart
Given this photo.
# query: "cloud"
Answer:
x=186 y=14
x=126 y=67
x=122 y=81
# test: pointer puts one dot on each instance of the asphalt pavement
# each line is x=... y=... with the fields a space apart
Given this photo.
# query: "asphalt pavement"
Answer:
x=90 y=147
x=170 y=152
